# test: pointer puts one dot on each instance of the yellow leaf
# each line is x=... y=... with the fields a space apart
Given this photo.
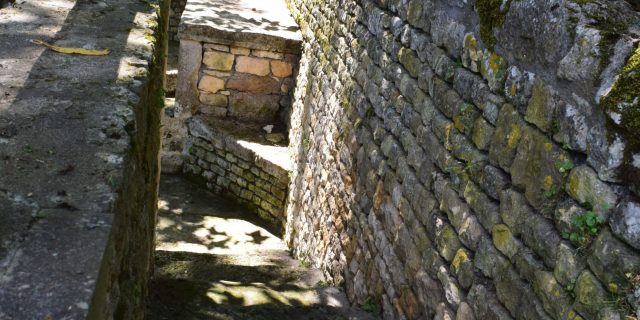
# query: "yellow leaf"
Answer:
x=86 y=52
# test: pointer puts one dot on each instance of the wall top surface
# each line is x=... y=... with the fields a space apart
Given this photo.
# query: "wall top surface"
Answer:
x=265 y=25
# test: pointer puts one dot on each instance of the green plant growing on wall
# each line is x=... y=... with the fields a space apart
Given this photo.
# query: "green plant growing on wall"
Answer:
x=564 y=167
x=371 y=305
x=306 y=143
x=585 y=227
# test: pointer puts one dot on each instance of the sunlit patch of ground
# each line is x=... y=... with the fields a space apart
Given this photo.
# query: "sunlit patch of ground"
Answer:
x=215 y=260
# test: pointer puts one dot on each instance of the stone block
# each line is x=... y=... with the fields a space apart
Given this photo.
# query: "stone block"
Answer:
x=513 y=210
x=218 y=60
x=569 y=264
x=281 y=69
x=590 y=295
x=509 y=130
x=542 y=107
x=585 y=187
x=611 y=260
x=625 y=222
x=482 y=133
x=251 y=65
x=255 y=107
x=504 y=240
x=555 y=299
x=216 y=100
x=462 y=268
x=267 y=54
x=488 y=260
x=217 y=47
x=485 y=304
x=541 y=236
x=210 y=84
x=540 y=168
x=254 y=84
x=240 y=51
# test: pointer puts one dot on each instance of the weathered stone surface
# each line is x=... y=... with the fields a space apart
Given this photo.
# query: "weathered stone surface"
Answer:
x=464 y=312
x=216 y=100
x=485 y=304
x=540 y=168
x=625 y=222
x=553 y=296
x=210 y=84
x=253 y=107
x=218 y=60
x=590 y=295
x=267 y=54
x=257 y=66
x=217 y=47
x=540 y=235
x=585 y=187
x=509 y=130
x=569 y=264
x=405 y=100
x=581 y=62
x=513 y=210
x=611 y=260
x=482 y=133
x=542 y=106
x=240 y=51
x=493 y=68
x=254 y=84
x=281 y=69
x=504 y=240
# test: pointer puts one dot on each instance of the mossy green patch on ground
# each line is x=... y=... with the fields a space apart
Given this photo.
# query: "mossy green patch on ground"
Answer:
x=492 y=14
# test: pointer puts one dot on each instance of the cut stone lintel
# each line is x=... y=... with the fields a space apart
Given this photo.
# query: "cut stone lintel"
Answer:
x=254 y=24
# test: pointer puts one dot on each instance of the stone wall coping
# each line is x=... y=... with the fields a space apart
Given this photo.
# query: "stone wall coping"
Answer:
x=254 y=24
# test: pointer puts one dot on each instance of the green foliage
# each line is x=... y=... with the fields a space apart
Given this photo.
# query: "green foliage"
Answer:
x=371 y=305
x=369 y=112
x=585 y=227
x=564 y=166
x=552 y=192
x=306 y=143
x=27 y=149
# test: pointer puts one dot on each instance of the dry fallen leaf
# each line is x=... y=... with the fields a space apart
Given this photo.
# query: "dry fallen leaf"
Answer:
x=67 y=50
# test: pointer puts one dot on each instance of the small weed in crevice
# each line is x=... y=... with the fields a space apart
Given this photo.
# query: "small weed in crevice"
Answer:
x=584 y=228
x=371 y=305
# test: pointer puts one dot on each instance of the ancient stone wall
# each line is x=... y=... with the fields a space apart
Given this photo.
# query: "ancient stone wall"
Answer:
x=246 y=84
x=242 y=170
x=469 y=159
x=127 y=263
x=177 y=7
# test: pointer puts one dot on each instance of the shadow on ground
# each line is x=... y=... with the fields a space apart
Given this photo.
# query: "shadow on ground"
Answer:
x=215 y=260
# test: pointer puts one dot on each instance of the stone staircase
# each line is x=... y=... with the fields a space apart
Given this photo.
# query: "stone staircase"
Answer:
x=216 y=260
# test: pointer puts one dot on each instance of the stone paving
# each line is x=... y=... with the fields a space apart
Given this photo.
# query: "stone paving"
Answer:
x=216 y=260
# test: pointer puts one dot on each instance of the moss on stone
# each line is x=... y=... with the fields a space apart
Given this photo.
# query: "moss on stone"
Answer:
x=492 y=15
x=624 y=97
